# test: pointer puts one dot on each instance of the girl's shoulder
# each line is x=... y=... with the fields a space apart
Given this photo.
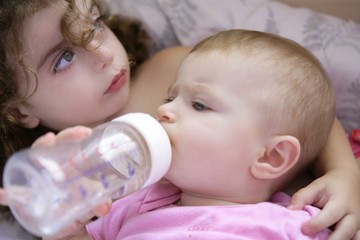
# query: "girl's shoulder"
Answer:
x=164 y=62
x=172 y=56
x=153 y=78
x=163 y=66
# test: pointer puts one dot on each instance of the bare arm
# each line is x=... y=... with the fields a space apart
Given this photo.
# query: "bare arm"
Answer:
x=157 y=74
x=337 y=153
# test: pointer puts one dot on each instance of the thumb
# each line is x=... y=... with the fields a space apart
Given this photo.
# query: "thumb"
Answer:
x=102 y=209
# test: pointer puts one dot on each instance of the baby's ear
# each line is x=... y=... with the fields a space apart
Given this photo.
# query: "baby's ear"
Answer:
x=27 y=118
x=280 y=155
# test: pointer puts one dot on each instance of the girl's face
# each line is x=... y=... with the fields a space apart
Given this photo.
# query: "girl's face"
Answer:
x=75 y=86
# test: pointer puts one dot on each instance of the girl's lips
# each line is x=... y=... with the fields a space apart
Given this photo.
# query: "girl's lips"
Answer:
x=118 y=81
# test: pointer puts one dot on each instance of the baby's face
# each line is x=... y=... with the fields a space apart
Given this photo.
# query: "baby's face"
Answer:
x=75 y=86
x=213 y=123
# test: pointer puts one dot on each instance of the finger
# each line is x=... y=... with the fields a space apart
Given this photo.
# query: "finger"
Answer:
x=46 y=140
x=345 y=229
x=329 y=215
x=103 y=209
x=74 y=133
x=3 y=198
x=306 y=196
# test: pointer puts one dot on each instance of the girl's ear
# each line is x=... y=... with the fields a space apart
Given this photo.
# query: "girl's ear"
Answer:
x=280 y=155
x=27 y=119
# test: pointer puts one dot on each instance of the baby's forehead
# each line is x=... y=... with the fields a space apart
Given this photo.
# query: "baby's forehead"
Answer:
x=227 y=55
x=228 y=78
x=234 y=62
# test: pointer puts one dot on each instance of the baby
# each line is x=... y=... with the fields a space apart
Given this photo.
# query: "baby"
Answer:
x=247 y=111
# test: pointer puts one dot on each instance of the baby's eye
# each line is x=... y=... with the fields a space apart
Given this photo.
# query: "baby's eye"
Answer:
x=64 y=61
x=169 y=99
x=199 y=106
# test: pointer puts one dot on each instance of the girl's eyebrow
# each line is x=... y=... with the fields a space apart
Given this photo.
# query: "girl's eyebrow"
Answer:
x=58 y=46
x=50 y=52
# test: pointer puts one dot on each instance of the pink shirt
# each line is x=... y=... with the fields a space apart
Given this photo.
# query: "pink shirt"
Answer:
x=355 y=146
x=151 y=214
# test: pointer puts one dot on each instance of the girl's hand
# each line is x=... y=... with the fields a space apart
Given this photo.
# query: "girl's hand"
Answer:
x=69 y=134
x=338 y=194
x=76 y=230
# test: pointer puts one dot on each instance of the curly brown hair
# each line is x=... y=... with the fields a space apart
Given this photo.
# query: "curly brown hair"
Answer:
x=13 y=136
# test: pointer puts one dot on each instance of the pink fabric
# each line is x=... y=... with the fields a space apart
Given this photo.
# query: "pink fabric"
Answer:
x=151 y=214
x=355 y=147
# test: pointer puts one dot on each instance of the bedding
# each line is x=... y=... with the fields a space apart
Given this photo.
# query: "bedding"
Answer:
x=336 y=42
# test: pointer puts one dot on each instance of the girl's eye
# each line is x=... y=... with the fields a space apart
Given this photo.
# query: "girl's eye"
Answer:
x=97 y=18
x=199 y=106
x=64 y=61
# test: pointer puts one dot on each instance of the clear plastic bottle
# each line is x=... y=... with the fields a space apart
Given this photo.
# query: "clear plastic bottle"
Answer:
x=50 y=187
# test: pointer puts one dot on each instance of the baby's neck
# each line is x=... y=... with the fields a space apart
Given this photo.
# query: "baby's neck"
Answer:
x=187 y=199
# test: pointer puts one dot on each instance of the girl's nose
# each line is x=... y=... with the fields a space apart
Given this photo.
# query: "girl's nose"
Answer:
x=104 y=57
x=165 y=114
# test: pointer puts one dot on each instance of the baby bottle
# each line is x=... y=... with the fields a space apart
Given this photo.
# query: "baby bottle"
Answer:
x=49 y=188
